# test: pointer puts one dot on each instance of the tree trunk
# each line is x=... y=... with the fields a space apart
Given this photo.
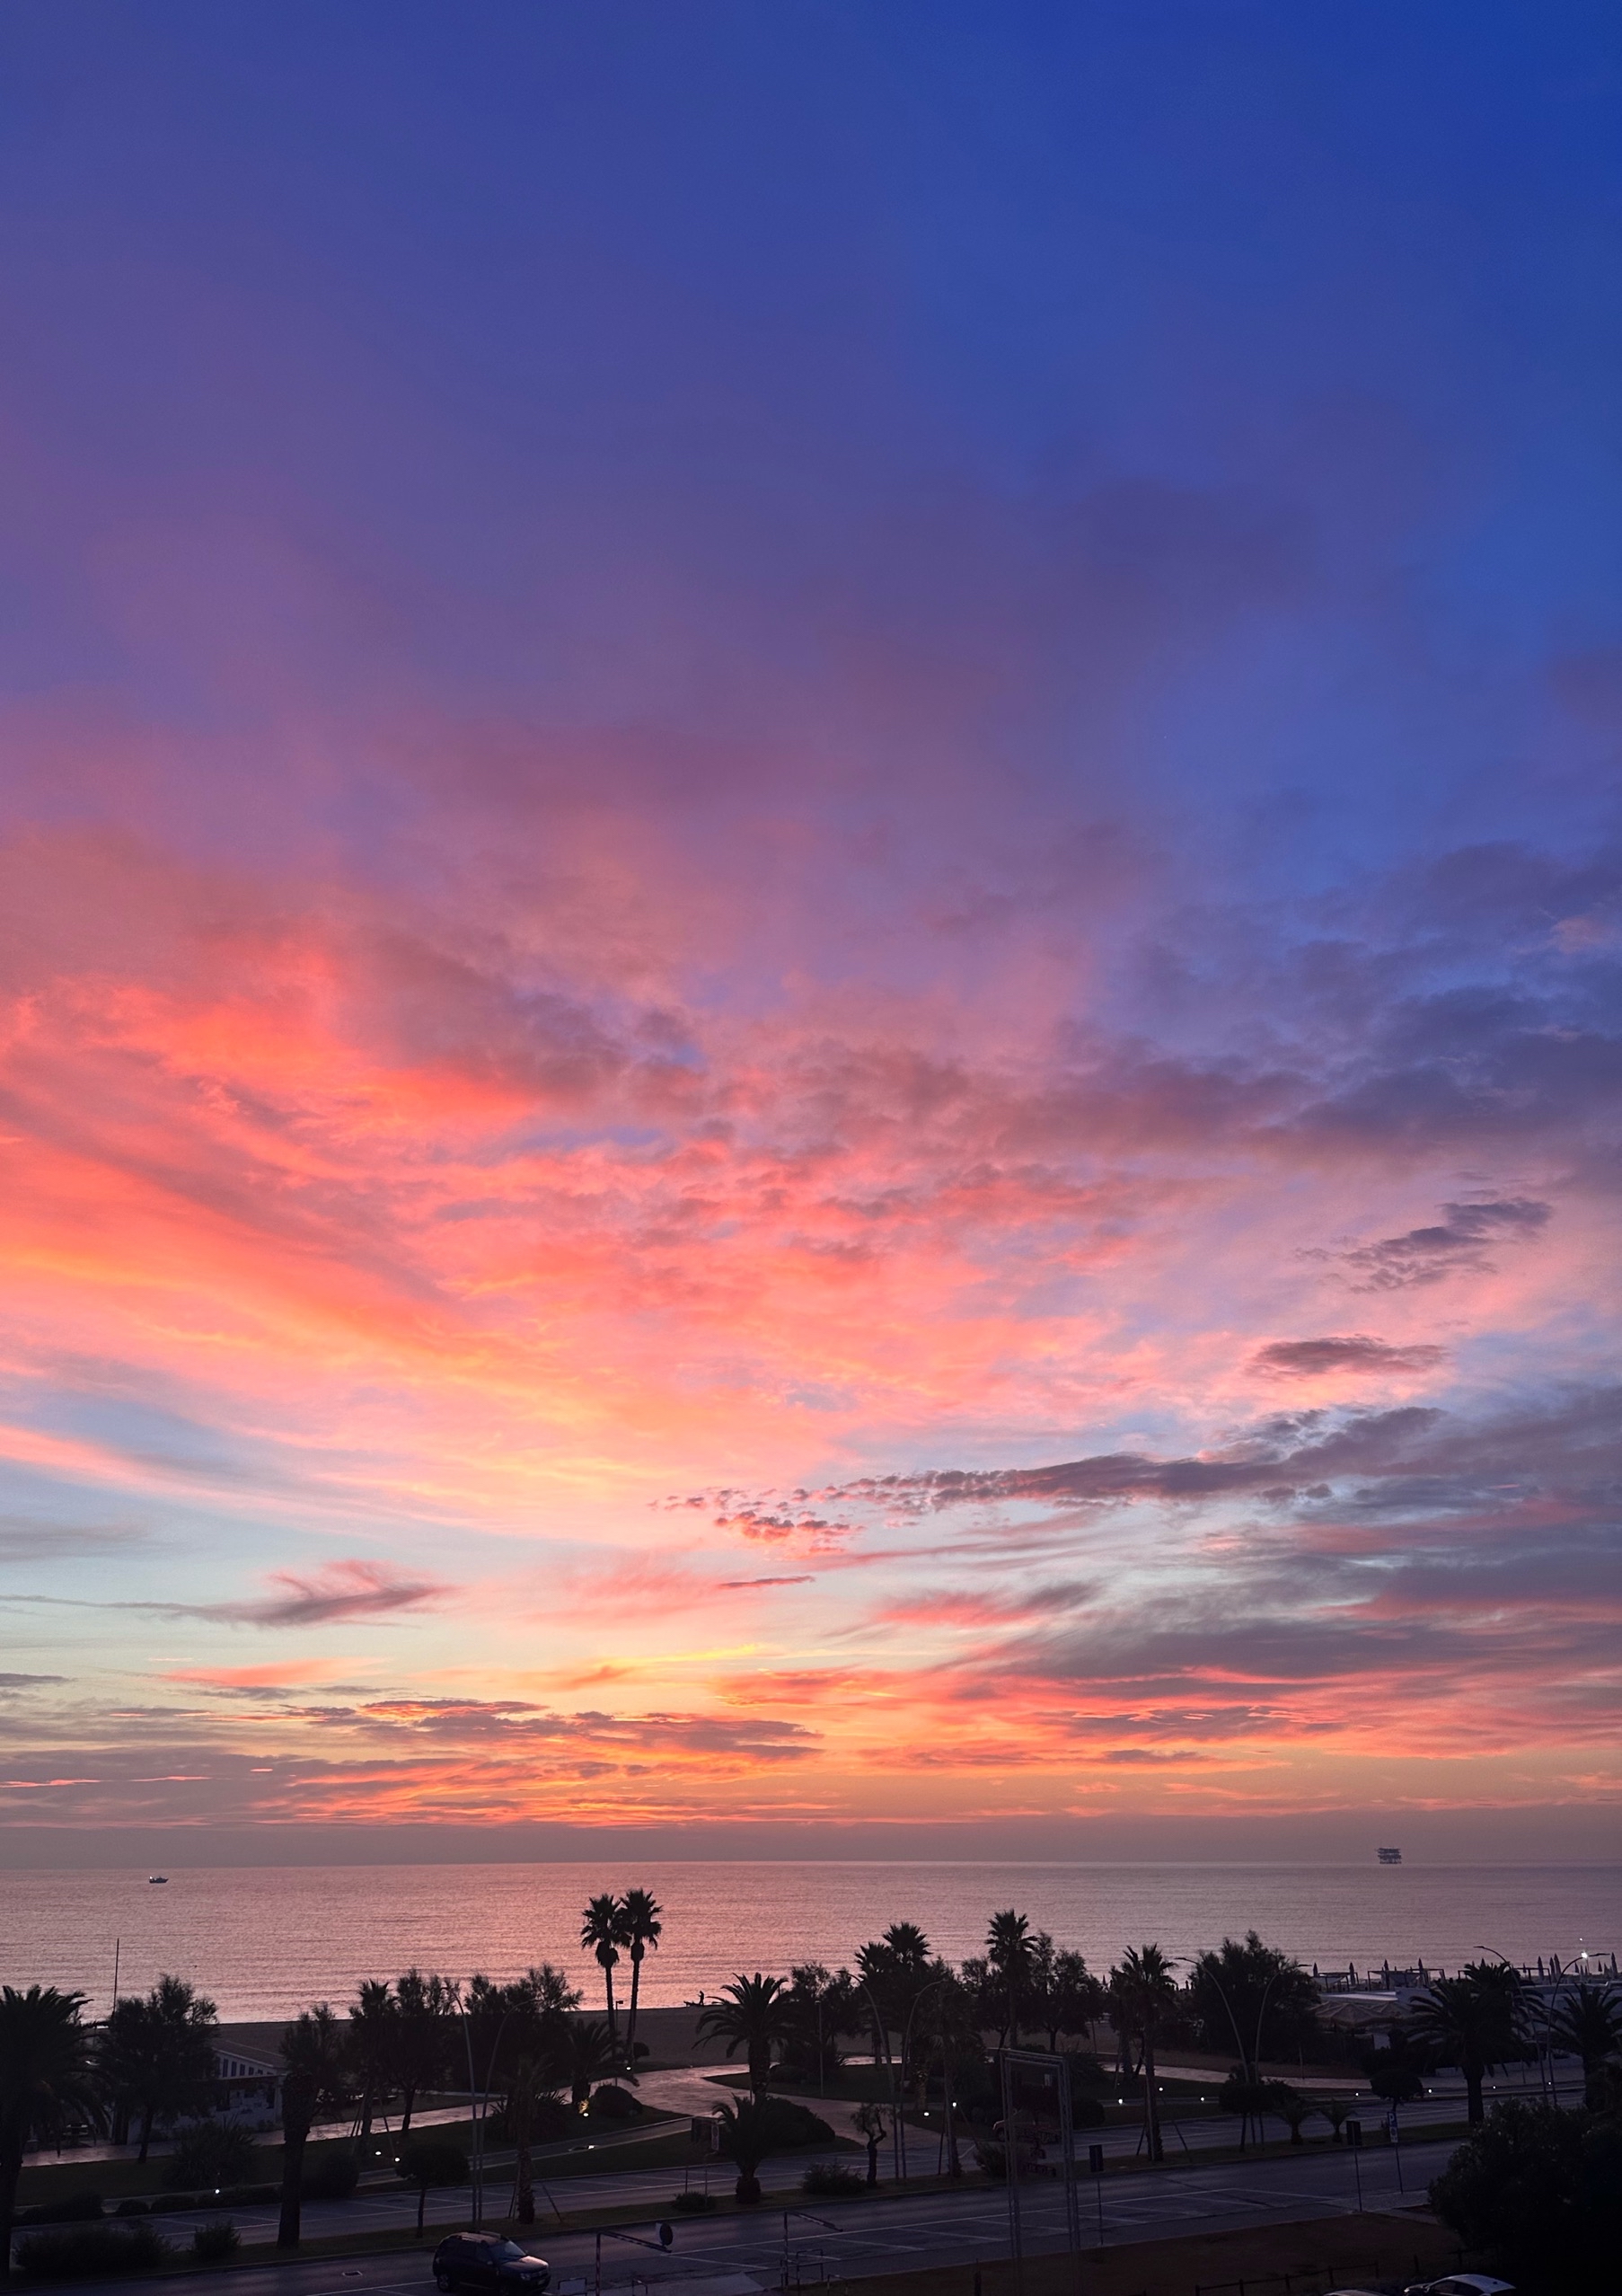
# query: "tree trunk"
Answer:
x=1151 y=2113
x=872 y=2159
x=11 y=2169
x=422 y=2202
x=293 y=2138
x=1477 y=2113
x=525 y=2183
x=146 y=2121
x=608 y=1985
x=408 y=2096
x=630 y=2020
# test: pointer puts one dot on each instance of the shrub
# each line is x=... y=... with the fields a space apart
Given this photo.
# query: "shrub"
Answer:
x=332 y=2176
x=250 y=2195
x=694 y=2203
x=171 y=2204
x=130 y=2208
x=612 y=2104
x=793 y=2124
x=90 y=2252
x=827 y=2180
x=73 y=2208
x=210 y=2154
x=215 y=2241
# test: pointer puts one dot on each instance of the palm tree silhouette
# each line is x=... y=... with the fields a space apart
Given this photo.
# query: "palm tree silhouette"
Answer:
x=530 y=2083
x=47 y=2080
x=1588 y=2023
x=749 y=2014
x=373 y=2015
x=591 y=2054
x=315 y=2079
x=156 y=2054
x=1140 y=1989
x=1009 y=1948
x=1472 y=2021
x=640 y=1911
x=748 y=2134
x=603 y=1928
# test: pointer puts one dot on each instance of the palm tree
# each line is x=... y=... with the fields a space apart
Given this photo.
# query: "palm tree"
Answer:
x=156 y=2054
x=1471 y=2021
x=47 y=2079
x=1009 y=1948
x=747 y=2136
x=640 y=1911
x=372 y=2017
x=1141 y=1987
x=421 y=2037
x=603 y=1928
x=315 y=2079
x=1588 y=2022
x=530 y=2083
x=751 y=2013
x=591 y=2054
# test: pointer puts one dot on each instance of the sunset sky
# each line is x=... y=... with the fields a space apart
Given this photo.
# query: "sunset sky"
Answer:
x=811 y=920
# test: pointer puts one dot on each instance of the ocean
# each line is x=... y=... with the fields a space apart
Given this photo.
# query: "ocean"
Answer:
x=265 y=1942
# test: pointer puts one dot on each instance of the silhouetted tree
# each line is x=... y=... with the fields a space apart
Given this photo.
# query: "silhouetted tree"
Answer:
x=1141 y=1992
x=1009 y=1948
x=1588 y=2022
x=431 y=2164
x=315 y=2079
x=1252 y=1997
x=751 y=2013
x=47 y=2083
x=156 y=2054
x=422 y=2038
x=1472 y=2021
x=603 y=1929
x=642 y=1912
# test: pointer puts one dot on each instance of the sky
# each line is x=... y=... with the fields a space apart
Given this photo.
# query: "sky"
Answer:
x=810 y=922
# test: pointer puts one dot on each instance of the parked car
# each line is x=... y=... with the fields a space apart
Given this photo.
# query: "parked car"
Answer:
x=483 y=2260
x=1461 y=2283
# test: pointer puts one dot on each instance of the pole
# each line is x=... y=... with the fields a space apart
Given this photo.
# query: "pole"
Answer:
x=1011 y=2142
x=117 y=1948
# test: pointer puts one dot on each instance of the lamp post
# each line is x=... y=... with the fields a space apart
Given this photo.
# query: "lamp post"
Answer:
x=474 y=2096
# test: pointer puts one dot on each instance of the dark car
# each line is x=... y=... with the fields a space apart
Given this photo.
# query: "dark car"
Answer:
x=483 y=2260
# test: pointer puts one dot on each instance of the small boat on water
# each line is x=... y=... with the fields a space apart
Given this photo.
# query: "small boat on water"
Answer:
x=154 y=1879
x=1390 y=1856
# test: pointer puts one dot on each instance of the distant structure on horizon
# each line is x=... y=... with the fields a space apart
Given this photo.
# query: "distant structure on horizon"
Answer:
x=1390 y=1856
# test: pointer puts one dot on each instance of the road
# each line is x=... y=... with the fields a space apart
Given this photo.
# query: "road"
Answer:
x=880 y=2234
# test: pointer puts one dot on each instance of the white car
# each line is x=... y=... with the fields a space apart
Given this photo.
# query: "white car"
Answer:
x=1461 y=2283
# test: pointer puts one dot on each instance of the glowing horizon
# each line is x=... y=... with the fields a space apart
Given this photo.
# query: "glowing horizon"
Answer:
x=809 y=999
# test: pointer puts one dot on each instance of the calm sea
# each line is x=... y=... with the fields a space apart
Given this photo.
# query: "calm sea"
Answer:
x=266 y=1942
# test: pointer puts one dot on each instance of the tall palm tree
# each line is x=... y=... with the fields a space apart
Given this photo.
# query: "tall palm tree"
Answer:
x=156 y=2054
x=751 y=2013
x=642 y=1912
x=1141 y=1989
x=315 y=2079
x=1588 y=2021
x=1472 y=2021
x=373 y=2015
x=603 y=1928
x=1009 y=1948
x=47 y=2079
x=421 y=2037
